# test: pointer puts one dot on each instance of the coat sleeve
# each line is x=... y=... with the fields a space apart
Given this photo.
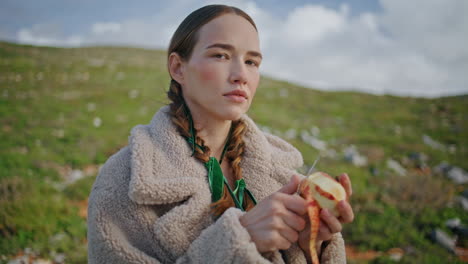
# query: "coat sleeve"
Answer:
x=121 y=231
x=227 y=241
x=110 y=240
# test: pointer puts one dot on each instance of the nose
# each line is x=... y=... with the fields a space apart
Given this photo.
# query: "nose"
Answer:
x=238 y=73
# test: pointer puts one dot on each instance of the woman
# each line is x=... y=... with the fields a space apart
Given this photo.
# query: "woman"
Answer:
x=201 y=183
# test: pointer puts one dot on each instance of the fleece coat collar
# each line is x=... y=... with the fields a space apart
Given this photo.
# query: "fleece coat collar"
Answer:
x=182 y=175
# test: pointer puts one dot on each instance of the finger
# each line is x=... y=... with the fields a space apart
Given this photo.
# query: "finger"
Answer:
x=346 y=182
x=331 y=221
x=283 y=243
x=272 y=241
x=288 y=233
x=291 y=187
x=324 y=232
x=346 y=212
x=295 y=204
x=294 y=221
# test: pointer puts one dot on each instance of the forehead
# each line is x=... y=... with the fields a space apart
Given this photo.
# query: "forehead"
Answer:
x=229 y=29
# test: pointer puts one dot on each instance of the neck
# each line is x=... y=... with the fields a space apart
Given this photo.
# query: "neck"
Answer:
x=213 y=131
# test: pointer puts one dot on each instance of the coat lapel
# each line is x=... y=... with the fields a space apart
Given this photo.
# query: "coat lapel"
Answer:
x=163 y=170
x=256 y=164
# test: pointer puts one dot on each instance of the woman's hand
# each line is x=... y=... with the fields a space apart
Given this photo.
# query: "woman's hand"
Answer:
x=276 y=221
x=329 y=224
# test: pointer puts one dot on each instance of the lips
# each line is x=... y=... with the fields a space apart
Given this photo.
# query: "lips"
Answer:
x=239 y=93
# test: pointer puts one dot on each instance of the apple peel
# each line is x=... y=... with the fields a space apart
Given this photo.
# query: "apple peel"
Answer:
x=320 y=190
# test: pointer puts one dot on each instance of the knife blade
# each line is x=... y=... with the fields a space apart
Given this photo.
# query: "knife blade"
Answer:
x=308 y=173
x=313 y=165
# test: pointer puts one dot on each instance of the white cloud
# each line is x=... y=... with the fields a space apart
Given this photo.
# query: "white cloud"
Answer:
x=47 y=35
x=109 y=27
x=311 y=23
x=407 y=48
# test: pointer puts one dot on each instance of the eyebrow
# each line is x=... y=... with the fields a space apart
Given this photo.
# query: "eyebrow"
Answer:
x=231 y=48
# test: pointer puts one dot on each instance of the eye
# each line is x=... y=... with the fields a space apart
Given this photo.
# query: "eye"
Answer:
x=251 y=62
x=220 y=56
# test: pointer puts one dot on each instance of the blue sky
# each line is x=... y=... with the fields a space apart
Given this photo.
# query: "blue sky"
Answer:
x=409 y=48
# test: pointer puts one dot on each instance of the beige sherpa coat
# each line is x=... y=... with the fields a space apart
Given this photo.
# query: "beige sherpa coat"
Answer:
x=151 y=202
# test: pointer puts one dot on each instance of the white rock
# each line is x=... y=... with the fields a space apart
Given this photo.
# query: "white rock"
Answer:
x=313 y=141
x=74 y=176
x=265 y=129
x=120 y=76
x=59 y=133
x=432 y=143
x=396 y=167
x=463 y=201
x=330 y=153
x=396 y=255
x=359 y=161
x=91 y=107
x=283 y=93
x=143 y=110
x=352 y=155
x=58 y=257
x=71 y=95
x=20 y=260
x=96 y=62
x=277 y=133
x=315 y=131
x=452 y=149
x=290 y=133
x=40 y=76
x=444 y=240
x=132 y=94
x=457 y=175
x=397 y=130
x=97 y=122
x=452 y=223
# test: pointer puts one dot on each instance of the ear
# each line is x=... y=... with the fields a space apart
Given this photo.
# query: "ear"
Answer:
x=176 y=67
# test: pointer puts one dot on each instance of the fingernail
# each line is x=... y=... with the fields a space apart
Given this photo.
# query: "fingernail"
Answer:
x=325 y=212
x=341 y=203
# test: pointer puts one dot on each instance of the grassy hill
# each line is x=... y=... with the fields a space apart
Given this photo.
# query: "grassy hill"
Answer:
x=64 y=111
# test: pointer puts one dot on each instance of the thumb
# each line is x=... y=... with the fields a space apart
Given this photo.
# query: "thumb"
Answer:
x=291 y=187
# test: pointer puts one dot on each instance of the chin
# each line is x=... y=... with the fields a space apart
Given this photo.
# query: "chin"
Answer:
x=233 y=115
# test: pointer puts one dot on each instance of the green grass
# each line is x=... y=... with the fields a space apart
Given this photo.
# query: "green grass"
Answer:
x=49 y=98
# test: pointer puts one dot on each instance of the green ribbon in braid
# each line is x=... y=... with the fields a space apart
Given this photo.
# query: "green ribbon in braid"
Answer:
x=216 y=178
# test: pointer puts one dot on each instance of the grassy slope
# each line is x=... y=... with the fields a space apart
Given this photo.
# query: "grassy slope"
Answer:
x=49 y=98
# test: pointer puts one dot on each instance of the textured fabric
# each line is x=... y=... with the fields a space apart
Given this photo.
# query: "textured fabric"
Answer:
x=151 y=202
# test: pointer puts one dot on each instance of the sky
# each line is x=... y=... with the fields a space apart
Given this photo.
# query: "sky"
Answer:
x=399 y=47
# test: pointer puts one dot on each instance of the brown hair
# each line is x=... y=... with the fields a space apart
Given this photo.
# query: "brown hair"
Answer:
x=182 y=42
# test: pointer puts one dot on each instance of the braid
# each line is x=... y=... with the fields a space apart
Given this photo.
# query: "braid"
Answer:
x=234 y=150
x=234 y=154
x=178 y=117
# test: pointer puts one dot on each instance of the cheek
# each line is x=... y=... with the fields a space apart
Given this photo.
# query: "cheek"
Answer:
x=205 y=71
x=207 y=74
x=255 y=82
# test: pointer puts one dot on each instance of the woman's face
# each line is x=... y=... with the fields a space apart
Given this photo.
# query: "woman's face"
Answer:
x=222 y=74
